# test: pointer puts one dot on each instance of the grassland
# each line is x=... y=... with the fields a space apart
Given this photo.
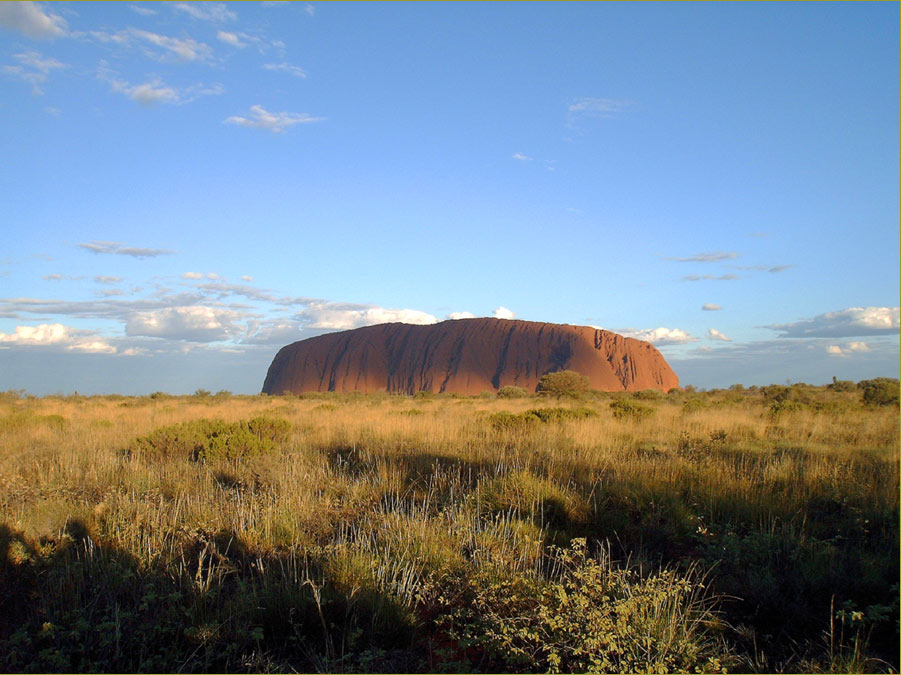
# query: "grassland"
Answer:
x=750 y=531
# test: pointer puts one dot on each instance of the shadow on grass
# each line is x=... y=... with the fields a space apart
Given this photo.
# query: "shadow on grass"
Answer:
x=73 y=604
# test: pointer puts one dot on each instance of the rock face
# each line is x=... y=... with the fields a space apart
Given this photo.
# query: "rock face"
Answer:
x=465 y=356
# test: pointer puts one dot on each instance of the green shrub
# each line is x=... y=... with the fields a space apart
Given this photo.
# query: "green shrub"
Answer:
x=693 y=405
x=625 y=409
x=211 y=439
x=561 y=414
x=841 y=385
x=563 y=383
x=511 y=391
x=647 y=395
x=881 y=391
x=587 y=617
x=506 y=421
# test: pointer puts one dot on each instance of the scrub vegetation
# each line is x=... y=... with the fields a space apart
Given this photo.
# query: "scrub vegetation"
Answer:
x=742 y=530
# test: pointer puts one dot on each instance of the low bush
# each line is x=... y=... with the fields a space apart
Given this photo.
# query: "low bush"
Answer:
x=586 y=616
x=881 y=391
x=625 y=409
x=561 y=414
x=511 y=391
x=564 y=383
x=211 y=439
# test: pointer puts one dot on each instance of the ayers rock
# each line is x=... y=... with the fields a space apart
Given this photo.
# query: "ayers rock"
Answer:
x=465 y=356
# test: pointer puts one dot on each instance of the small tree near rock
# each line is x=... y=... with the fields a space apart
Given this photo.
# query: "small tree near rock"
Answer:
x=563 y=383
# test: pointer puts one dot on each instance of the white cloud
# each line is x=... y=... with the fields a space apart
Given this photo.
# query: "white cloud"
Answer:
x=107 y=279
x=461 y=315
x=309 y=9
x=661 y=336
x=848 y=349
x=206 y=11
x=598 y=107
x=342 y=316
x=714 y=334
x=30 y=19
x=200 y=275
x=116 y=248
x=274 y=122
x=143 y=11
x=850 y=322
x=246 y=277
x=57 y=335
x=157 y=91
x=33 y=69
x=709 y=277
x=710 y=256
x=147 y=93
x=711 y=307
x=772 y=269
x=503 y=313
x=182 y=49
x=230 y=38
x=296 y=71
x=521 y=157
x=195 y=323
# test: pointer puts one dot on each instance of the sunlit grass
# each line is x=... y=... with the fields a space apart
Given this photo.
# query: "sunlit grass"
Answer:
x=325 y=552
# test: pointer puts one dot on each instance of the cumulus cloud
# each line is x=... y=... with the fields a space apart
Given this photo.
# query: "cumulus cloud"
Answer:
x=117 y=248
x=57 y=335
x=246 y=277
x=848 y=349
x=289 y=68
x=31 y=20
x=107 y=279
x=711 y=307
x=275 y=122
x=503 y=313
x=851 y=322
x=521 y=157
x=344 y=316
x=194 y=323
x=206 y=11
x=710 y=256
x=714 y=334
x=661 y=336
x=461 y=315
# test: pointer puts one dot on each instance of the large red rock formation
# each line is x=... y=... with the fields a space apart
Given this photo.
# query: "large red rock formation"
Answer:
x=465 y=356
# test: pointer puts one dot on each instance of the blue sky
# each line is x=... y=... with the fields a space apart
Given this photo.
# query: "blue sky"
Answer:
x=187 y=187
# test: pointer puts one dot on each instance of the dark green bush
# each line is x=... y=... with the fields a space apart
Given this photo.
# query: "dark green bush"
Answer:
x=625 y=409
x=511 y=391
x=842 y=385
x=506 y=421
x=881 y=391
x=211 y=439
x=563 y=383
x=561 y=414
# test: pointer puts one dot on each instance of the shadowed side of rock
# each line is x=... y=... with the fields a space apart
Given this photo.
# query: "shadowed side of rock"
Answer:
x=466 y=356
